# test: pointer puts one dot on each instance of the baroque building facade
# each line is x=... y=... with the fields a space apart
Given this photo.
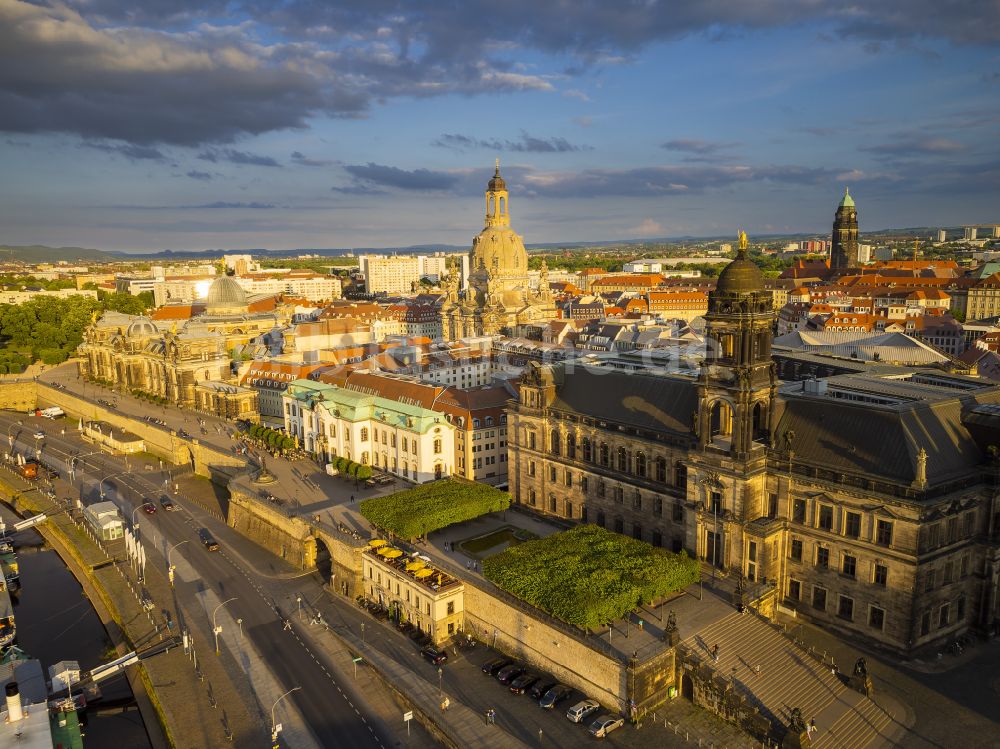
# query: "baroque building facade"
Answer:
x=498 y=298
x=178 y=361
x=868 y=505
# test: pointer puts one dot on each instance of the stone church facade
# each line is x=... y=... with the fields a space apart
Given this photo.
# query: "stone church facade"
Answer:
x=869 y=505
x=499 y=298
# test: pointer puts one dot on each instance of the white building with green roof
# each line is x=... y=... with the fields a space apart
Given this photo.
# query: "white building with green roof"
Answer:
x=404 y=439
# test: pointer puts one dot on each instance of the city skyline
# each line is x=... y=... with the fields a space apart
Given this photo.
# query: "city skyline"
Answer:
x=237 y=125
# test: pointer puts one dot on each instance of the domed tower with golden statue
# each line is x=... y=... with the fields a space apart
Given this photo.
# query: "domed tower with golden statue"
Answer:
x=499 y=298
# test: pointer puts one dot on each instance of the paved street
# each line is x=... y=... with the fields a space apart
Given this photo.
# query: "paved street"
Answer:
x=204 y=578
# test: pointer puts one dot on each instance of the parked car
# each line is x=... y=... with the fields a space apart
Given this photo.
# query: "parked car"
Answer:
x=435 y=656
x=605 y=724
x=523 y=683
x=507 y=674
x=149 y=508
x=583 y=710
x=209 y=542
x=39 y=435
x=554 y=696
x=493 y=666
x=167 y=505
x=183 y=434
x=541 y=687
x=147 y=602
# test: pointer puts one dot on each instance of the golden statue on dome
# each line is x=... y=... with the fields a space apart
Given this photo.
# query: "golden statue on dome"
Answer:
x=743 y=240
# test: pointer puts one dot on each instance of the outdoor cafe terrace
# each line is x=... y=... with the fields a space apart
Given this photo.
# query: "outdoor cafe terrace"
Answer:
x=415 y=567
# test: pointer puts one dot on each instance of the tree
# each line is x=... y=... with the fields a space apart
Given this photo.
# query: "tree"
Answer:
x=363 y=473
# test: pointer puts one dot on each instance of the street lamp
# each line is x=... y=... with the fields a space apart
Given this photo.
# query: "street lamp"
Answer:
x=10 y=437
x=276 y=727
x=170 y=567
x=216 y=629
x=440 y=687
x=100 y=486
x=135 y=523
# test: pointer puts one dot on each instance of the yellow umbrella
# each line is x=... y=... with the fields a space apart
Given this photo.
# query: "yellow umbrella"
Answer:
x=384 y=551
x=424 y=573
x=393 y=554
x=411 y=566
x=376 y=542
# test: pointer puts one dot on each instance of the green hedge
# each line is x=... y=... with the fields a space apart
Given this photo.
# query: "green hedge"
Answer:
x=431 y=506
x=589 y=576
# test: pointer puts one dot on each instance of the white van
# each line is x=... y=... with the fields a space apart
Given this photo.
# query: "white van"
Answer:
x=582 y=710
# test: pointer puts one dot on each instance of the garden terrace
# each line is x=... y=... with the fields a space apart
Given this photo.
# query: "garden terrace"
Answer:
x=415 y=567
x=430 y=507
x=589 y=576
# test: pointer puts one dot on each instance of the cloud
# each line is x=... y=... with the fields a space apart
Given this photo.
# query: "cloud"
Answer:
x=300 y=159
x=700 y=150
x=203 y=176
x=215 y=155
x=584 y=121
x=904 y=144
x=217 y=205
x=574 y=93
x=524 y=144
x=647 y=228
x=401 y=179
x=130 y=151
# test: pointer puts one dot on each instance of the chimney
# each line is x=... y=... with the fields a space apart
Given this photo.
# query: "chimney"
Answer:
x=14 y=711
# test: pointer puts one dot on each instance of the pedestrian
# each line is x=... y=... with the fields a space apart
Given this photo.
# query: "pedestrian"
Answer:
x=352 y=497
x=468 y=565
x=715 y=653
x=812 y=728
x=757 y=669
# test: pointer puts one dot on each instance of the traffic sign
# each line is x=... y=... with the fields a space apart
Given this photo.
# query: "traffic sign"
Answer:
x=408 y=716
x=358 y=659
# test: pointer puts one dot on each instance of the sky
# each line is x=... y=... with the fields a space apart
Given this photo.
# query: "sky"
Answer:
x=174 y=124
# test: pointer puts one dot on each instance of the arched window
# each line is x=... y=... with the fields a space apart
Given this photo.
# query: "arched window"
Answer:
x=588 y=454
x=364 y=435
x=503 y=205
x=475 y=423
x=622 y=459
x=364 y=458
x=489 y=421
x=571 y=446
x=605 y=455
x=640 y=465
x=437 y=447
x=492 y=206
x=554 y=442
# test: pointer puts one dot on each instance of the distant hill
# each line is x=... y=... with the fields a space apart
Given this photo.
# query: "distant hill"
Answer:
x=37 y=253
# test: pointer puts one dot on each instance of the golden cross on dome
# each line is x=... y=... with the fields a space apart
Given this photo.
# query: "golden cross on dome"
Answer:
x=498 y=165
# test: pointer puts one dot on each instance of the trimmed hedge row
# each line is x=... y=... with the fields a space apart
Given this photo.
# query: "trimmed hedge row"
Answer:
x=354 y=470
x=429 y=507
x=589 y=576
x=271 y=437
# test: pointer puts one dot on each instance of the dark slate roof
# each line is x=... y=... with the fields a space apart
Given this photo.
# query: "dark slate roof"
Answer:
x=883 y=441
x=640 y=400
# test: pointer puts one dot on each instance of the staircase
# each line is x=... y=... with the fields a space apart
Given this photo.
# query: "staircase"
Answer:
x=789 y=677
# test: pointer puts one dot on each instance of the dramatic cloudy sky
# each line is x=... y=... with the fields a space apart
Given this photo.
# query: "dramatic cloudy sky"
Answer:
x=306 y=123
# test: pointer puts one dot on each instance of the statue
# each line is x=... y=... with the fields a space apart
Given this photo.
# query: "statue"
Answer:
x=861 y=667
x=920 y=480
x=694 y=423
x=743 y=241
x=796 y=723
x=671 y=621
x=861 y=680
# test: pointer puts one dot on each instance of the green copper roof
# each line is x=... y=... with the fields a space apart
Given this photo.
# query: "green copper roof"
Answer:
x=353 y=406
x=847 y=201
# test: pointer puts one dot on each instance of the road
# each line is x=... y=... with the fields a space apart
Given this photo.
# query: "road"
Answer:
x=328 y=708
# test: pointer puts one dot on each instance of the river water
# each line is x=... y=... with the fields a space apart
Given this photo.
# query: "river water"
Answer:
x=56 y=622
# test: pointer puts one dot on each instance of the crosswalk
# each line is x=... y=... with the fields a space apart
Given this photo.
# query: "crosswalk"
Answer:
x=777 y=676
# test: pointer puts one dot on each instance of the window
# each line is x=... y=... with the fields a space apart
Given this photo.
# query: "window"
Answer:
x=852 y=527
x=925 y=623
x=797 y=549
x=960 y=609
x=569 y=479
x=845 y=608
x=571 y=446
x=619 y=525
x=681 y=477
x=876 y=617
x=661 y=470
x=364 y=434
x=944 y=615
x=715 y=503
x=637 y=501
x=883 y=533
x=605 y=459
x=584 y=484
x=881 y=574
x=658 y=506
x=554 y=442
x=795 y=590
x=640 y=465
x=850 y=566
x=822 y=557
x=930 y=580
x=569 y=509
x=552 y=473
x=531 y=440
x=531 y=468
x=819 y=598
x=622 y=459
x=826 y=517
x=970 y=524
x=677 y=514
x=531 y=497
x=619 y=494
x=587 y=452
x=552 y=503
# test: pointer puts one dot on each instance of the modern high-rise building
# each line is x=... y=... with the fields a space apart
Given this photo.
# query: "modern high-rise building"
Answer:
x=844 y=252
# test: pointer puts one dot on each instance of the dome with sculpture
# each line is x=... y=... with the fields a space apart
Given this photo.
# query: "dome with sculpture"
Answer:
x=141 y=327
x=741 y=276
x=225 y=297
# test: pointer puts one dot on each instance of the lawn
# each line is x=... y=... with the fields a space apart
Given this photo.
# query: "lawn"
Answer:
x=589 y=576
x=429 y=507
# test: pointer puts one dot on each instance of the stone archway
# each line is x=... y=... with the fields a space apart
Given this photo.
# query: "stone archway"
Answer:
x=687 y=686
x=324 y=560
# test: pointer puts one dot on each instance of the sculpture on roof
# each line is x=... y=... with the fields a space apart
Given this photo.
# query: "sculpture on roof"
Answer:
x=743 y=240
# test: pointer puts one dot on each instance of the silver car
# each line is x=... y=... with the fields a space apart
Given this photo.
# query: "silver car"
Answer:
x=583 y=710
x=605 y=725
